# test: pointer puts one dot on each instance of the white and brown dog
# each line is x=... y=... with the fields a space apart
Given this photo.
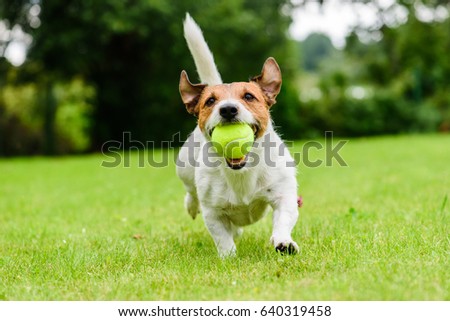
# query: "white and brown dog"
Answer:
x=232 y=193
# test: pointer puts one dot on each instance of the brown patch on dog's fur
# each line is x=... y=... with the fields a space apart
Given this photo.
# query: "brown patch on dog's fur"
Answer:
x=264 y=88
x=217 y=92
x=190 y=93
x=270 y=80
x=236 y=90
x=258 y=106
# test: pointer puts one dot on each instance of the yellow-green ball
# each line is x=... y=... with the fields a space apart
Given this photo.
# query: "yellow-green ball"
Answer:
x=233 y=141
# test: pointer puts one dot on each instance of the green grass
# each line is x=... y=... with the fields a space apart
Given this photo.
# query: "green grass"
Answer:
x=375 y=230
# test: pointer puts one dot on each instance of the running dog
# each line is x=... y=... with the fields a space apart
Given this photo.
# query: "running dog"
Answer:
x=233 y=193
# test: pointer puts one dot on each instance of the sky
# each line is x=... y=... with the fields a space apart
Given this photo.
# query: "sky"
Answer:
x=335 y=18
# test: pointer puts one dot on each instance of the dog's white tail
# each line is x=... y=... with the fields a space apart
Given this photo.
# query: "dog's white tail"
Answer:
x=203 y=58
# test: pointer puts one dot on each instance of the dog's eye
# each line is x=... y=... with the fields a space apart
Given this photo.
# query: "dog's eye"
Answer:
x=210 y=101
x=249 y=97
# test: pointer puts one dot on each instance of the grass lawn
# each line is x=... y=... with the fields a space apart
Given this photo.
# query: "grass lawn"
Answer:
x=375 y=230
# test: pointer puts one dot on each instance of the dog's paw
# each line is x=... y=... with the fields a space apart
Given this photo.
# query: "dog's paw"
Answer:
x=191 y=205
x=285 y=246
x=289 y=248
x=227 y=253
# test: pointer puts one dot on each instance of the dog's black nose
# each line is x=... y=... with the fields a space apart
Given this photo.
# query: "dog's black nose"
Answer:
x=228 y=112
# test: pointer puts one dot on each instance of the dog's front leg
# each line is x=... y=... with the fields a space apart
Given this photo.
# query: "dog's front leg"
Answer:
x=285 y=216
x=221 y=230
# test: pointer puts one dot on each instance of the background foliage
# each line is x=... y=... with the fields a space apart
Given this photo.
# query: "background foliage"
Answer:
x=96 y=69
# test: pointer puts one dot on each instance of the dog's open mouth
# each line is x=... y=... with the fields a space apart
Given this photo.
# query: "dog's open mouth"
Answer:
x=255 y=130
x=236 y=163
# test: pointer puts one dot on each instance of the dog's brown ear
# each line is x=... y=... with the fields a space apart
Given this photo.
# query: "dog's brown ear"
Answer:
x=190 y=93
x=269 y=80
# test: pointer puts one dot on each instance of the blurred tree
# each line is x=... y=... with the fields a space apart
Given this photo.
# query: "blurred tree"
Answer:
x=411 y=60
x=113 y=66
x=132 y=53
x=314 y=49
x=391 y=77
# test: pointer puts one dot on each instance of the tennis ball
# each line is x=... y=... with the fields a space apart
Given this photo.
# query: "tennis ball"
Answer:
x=233 y=141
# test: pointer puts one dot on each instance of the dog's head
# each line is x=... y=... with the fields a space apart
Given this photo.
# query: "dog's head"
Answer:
x=243 y=102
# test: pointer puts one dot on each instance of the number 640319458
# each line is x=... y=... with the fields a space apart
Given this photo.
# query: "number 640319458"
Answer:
x=296 y=311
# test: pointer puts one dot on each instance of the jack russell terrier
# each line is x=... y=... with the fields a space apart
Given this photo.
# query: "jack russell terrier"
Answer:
x=232 y=193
